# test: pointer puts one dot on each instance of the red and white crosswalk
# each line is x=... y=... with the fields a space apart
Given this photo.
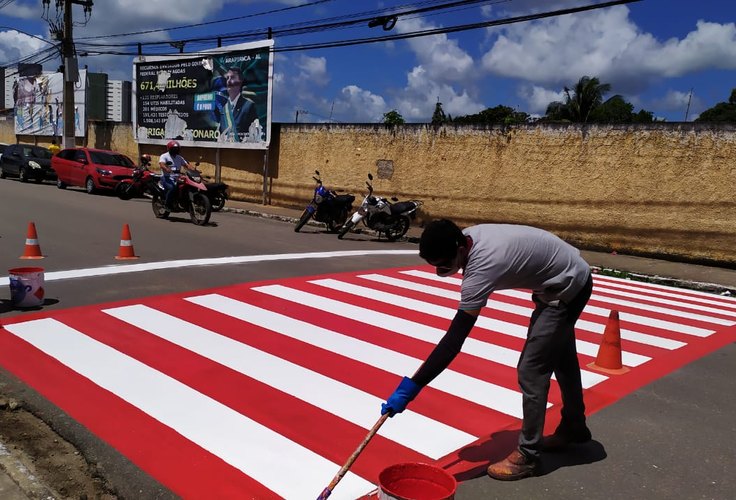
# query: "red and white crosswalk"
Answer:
x=263 y=390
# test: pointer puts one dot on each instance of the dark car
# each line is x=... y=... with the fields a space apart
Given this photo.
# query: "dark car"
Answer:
x=26 y=162
x=93 y=169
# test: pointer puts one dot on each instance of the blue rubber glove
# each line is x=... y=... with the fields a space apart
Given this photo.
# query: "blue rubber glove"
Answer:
x=402 y=396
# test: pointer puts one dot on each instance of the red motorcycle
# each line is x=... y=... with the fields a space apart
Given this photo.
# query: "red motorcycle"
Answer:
x=190 y=195
x=141 y=183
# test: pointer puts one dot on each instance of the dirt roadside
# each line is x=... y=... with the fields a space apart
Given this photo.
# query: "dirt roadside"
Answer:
x=43 y=464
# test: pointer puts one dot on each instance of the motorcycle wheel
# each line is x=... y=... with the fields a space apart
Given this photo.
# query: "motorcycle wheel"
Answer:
x=200 y=210
x=124 y=190
x=334 y=225
x=218 y=202
x=398 y=230
x=159 y=209
x=345 y=229
x=302 y=220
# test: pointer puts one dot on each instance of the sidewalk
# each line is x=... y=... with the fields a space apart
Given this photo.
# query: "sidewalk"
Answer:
x=705 y=278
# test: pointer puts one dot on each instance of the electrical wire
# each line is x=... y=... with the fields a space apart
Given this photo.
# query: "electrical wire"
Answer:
x=309 y=26
x=414 y=34
x=208 y=23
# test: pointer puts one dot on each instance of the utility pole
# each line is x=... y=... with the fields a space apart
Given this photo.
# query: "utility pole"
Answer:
x=690 y=98
x=71 y=69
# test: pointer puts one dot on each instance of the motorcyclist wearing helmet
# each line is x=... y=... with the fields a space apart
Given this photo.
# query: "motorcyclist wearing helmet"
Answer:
x=171 y=163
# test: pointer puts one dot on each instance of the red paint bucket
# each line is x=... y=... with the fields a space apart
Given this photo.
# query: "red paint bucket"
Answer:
x=415 y=481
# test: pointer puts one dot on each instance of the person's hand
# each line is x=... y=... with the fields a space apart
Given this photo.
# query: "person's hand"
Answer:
x=402 y=396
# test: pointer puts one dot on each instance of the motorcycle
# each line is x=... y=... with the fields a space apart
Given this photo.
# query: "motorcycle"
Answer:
x=190 y=195
x=327 y=207
x=217 y=192
x=379 y=214
x=140 y=184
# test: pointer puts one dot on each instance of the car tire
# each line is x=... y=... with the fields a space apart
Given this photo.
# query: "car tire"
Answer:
x=22 y=174
x=60 y=184
x=89 y=185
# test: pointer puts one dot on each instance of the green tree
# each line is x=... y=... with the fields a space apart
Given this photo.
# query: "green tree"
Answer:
x=496 y=115
x=438 y=117
x=580 y=101
x=393 y=117
x=723 y=112
x=614 y=110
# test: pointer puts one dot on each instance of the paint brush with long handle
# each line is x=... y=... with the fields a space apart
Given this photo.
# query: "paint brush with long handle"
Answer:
x=327 y=491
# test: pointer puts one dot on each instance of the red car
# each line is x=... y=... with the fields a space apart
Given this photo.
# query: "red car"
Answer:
x=92 y=169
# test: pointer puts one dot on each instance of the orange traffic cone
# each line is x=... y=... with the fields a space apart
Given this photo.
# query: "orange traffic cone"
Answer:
x=126 y=245
x=609 y=353
x=32 y=249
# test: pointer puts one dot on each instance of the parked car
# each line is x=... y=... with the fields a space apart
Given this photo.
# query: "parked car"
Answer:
x=93 y=169
x=26 y=162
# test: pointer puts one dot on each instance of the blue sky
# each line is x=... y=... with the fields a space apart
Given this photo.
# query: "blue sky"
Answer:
x=653 y=52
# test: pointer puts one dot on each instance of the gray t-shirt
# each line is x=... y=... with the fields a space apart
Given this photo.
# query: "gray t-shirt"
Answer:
x=507 y=256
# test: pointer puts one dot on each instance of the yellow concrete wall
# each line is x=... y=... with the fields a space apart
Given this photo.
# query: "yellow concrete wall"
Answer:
x=664 y=190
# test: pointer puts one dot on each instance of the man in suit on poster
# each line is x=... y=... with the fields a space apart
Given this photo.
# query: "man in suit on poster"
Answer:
x=234 y=112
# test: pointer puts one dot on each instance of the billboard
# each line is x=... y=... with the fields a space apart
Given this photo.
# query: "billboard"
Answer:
x=218 y=98
x=39 y=105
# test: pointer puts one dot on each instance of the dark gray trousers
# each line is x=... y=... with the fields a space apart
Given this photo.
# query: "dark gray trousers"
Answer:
x=550 y=348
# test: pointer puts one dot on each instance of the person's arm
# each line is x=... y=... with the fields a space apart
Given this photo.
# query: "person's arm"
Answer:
x=439 y=359
x=447 y=348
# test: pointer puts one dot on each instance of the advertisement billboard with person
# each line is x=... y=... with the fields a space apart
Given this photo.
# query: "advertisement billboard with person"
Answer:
x=39 y=105
x=218 y=98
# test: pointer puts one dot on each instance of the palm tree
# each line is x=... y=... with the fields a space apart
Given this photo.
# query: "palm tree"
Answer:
x=586 y=96
x=580 y=101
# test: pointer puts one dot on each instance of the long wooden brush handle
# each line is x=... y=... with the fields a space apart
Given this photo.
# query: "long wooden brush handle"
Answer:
x=327 y=491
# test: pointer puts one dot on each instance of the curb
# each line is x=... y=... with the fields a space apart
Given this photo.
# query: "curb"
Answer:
x=712 y=288
x=293 y=220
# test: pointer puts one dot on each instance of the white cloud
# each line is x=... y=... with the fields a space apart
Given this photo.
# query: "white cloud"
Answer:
x=23 y=11
x=416 y=102
x=313 y=70
x=608 y=45
x=362 y=105
x=538 y=98
x=440 y=56
x=15 y=45
x=675 y=100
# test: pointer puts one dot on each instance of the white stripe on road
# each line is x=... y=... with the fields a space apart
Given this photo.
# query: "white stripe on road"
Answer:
x=314 y=388
x=199 y=418
x=174 y=264
x=598 y=311
x=582 y=324
x=469 y=388
x=601 y=287
x=434 y=335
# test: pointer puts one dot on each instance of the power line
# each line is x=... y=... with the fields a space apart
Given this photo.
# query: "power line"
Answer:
x=208 y=23
x=415 y=34
x=308 y=26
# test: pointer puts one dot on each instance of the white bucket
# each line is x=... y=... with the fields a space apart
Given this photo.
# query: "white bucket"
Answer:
x=26 y=286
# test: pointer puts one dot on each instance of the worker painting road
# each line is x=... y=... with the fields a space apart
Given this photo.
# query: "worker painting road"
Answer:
x=264 y=389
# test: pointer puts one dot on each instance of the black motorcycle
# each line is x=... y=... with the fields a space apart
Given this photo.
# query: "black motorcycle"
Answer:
x=327 y=207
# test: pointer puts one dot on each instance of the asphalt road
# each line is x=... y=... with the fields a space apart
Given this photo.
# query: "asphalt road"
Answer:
x=670 y=439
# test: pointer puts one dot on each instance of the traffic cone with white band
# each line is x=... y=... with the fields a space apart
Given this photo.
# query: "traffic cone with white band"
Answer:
x=32 y=249
x=126 y=245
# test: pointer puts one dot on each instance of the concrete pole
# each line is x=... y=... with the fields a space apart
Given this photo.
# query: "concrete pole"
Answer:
x=70 y=76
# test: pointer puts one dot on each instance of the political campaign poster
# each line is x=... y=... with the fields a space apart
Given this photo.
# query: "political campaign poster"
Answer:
x=38 y=101
x=217 y=98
